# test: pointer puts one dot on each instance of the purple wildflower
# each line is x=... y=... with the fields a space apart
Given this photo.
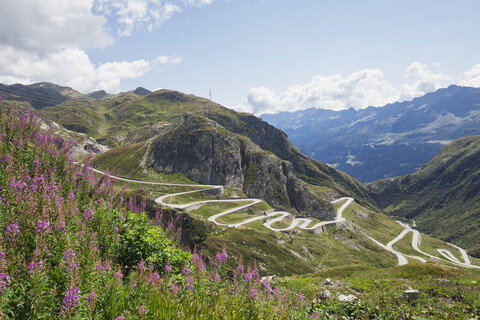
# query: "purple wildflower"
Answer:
x=43 y=226
x=70 y=255
x=71 y=259
x=174 y=287
x=141 y=265
x=167 y=268
x=195 y=258
x=60 y=226
x=300 y=296
x=253 y=293
x=91 y=298
x=154 y=278
x=71 y=299
x=248 y=276
x=88 y=216
x=4 y=282
x=118 y=275
x=216 y=277
x=240 y=268
x=142 y=310
x=189 y=283
x=185 y=270
x=221 y=257
x=12 y=229
x=266 y=286
x=200 y=266
x=276 y=290
x=35 y=266
x=119 y=318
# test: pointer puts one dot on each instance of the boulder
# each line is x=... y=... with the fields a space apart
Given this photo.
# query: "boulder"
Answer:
x=348 y=298
x=411 y=294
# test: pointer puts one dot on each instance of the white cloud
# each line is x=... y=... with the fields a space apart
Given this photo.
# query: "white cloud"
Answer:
x=162 y=60
x=129 y=16
x=198 y=3
x=44 y=26
x=359 y=90
x=471 y=78
x=77 y=71
x=45 y=40
x=427 y=81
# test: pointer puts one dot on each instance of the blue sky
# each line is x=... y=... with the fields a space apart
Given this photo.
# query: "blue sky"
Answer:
x=255 y=55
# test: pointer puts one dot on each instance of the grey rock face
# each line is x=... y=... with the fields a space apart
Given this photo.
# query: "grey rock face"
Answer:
x=206 y=152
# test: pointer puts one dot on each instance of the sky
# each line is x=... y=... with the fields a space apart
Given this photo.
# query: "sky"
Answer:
x=258 y=56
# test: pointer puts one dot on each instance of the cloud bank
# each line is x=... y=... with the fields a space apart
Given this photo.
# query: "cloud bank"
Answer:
x=358 y=90
x=48 y=40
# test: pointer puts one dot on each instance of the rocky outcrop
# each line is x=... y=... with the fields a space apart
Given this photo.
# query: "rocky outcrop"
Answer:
x=208 y=153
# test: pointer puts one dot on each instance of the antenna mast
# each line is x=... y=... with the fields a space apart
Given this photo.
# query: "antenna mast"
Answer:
x=210 y=94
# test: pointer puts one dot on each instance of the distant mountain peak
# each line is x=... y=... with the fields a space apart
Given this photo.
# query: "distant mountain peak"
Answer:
x=392 y=140
x=140 y=91
x=97 y=94
x=39 y=95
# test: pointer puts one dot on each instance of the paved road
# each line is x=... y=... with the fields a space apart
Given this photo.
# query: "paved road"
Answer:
x=416 y=242
x=301 y=223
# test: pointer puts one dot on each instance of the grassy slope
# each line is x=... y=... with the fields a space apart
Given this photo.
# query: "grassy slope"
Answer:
x=443 y=197
x=340 y=248
x=112 y=118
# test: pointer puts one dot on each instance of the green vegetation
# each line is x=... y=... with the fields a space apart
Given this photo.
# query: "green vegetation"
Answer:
x=445 y=293
x=443 y=197
x=72 y=247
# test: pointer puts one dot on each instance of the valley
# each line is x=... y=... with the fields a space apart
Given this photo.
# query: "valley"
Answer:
x=219 y=181
x=383 y=142
x=442 y=254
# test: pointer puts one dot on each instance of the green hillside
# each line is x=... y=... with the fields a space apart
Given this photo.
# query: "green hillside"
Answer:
x=443 y=197
x=191 y=141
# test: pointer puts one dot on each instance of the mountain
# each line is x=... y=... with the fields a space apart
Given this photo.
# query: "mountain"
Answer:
x=73 y=248
x=97 y=94
x=443 y=197
x=39 y=95
x=141 y=91
x=176 y=133
x=377 y=143
x=217 y=146
x=170 y=136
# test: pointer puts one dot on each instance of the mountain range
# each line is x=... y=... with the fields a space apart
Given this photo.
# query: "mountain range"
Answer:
x=168 y=136
x=376 y=143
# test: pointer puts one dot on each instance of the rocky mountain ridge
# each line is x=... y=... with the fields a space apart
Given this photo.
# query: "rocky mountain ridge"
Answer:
x=205 y=152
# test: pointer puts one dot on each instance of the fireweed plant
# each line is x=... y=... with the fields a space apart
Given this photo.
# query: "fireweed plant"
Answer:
x=71 y=248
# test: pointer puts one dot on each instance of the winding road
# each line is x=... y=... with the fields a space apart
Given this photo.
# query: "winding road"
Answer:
x=301 y=223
